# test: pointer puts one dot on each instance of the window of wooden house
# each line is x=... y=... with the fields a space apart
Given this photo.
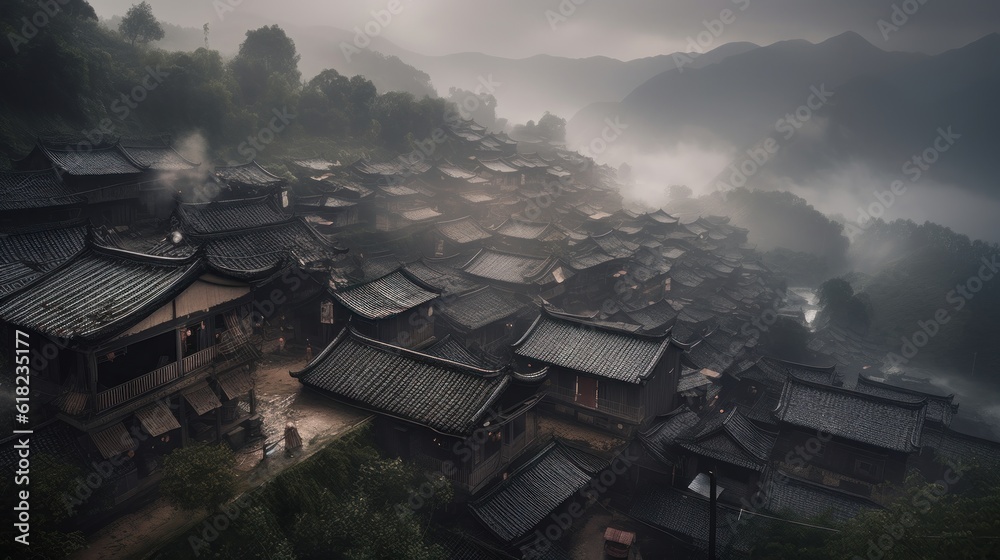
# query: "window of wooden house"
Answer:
x=515 y=428
x=868 y=468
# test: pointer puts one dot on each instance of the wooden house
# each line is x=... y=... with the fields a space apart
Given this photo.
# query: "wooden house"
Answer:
x=467 y=423
x=614 y=379
x=105 y=175
x=484 y=319
x=152 y=353
x=395 y=309
x=453 y=237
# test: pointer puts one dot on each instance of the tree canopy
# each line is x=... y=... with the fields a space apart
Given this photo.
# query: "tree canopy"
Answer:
x=140 y=25
x=199 y=476
x=266 y=63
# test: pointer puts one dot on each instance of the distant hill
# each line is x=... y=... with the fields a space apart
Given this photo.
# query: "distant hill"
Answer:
x=527 y=87
x=885 y=107
x=530 y=86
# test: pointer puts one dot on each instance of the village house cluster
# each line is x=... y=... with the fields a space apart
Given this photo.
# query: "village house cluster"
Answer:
x=508 y=322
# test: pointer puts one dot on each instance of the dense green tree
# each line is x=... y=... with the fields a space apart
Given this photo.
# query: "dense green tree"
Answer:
x=199 y=476
x=551 y=128
x=481 y=108
x=140 y=25
x=841 y=306
x=332 y=104
x=266 y=62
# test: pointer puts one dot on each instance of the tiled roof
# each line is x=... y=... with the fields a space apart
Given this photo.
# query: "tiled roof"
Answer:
x=395 y=190
x=940 y=408
x=394 y=168
x=685 y=514
x=960 y=447
x=589 y=258
x=385 y=297
x=463 y=230
x=655 y=316
x=876 y=421
x=95 y=160
x=454 y=171
x=603 y=352
x=498 y=166
x=519 y=229
x=374 y=267
x=421 y=214
x=223 y=216
x=323 y=201
x=808 y=499
x=23 y=190
x=445 y=396
x=661 y=217
x=692 y=379
x=667 y=431
x=24 y=257
x=613 y=245
x=480 y=308
x=450 y=349
x=97 y=294
x=531 y=493
x=161 y=158
x=736 y=441
x=315 y=164
x=507 y=267
x=440 y=277
x=250 y=174
x=476 y=197
x=145 y=242
x=262 y=249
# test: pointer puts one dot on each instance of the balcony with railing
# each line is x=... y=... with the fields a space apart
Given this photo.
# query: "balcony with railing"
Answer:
x=159 y=377
x=607 y=406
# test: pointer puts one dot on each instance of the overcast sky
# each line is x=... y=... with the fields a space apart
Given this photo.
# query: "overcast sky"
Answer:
x=623 y=29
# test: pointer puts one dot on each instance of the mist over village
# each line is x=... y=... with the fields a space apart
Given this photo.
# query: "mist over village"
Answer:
x=448 y=280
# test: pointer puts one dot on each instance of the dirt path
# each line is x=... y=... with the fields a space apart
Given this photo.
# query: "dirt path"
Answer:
x=280 y=399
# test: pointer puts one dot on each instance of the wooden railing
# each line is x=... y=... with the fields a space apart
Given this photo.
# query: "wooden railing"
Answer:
x=614 y=408
x=141 y=385
x=138 y=386
x=199 y=359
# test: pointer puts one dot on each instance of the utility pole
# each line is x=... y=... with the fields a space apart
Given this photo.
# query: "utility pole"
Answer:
x=711 y=515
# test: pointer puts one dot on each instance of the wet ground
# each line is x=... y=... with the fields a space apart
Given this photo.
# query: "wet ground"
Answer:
x=280 y=399
x=553 y=425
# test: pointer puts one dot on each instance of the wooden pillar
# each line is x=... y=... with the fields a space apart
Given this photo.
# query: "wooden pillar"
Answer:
x=180 y=352
x=218 y=424
x=184 y=420
x=92 y=371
